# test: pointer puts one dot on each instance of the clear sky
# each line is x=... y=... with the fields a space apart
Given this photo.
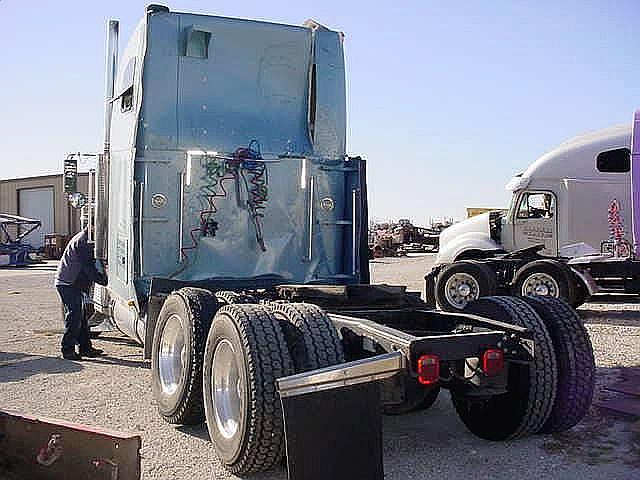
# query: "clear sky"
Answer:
x=446 y=99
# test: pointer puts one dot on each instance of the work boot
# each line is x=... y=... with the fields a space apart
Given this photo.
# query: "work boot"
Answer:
x=70 y=355
x=91 y=352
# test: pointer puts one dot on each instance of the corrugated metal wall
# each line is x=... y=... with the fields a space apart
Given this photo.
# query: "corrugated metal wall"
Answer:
x=66 y=219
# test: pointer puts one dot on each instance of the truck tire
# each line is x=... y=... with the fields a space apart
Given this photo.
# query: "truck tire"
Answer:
x=245 y=353
x=417 y=397
x=312 y=340
x=582 y=294
x=228 y=297
x=576 y=365
x=531 y=388
x=546 y=278
x=462 y=282
x=177 y=352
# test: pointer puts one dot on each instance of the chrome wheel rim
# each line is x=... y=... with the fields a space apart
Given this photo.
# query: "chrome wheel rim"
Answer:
x=173 y=355
x=460 y=289
x=540 y=284
x=227 y=388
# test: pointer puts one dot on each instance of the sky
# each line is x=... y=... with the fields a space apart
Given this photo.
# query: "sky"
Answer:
x=447 y=100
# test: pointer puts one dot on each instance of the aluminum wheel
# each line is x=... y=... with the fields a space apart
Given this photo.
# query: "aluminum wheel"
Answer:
x=228 y=392
x=540 y=284
x=460 y=289
x=172 y=358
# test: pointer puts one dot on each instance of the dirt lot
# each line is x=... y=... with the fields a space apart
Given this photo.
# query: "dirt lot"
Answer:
x=115 y=392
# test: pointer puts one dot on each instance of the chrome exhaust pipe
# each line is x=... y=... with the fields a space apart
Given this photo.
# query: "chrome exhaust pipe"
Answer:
x=102 y=177
x=113 y=28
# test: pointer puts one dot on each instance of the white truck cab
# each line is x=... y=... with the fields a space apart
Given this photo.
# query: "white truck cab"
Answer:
x=564 y=209
x=560 y=200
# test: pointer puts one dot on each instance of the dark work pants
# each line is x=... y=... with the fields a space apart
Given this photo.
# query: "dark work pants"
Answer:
x=76 y=326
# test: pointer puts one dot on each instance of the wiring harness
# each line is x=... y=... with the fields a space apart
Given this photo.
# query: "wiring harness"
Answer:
x=246 y=165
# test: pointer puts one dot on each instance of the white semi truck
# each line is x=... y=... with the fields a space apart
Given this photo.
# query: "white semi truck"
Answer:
x=567 y=232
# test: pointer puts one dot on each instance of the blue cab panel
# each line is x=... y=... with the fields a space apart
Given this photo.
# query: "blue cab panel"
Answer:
x=228 y=155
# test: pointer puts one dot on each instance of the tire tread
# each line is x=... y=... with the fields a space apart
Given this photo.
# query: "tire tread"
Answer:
x=267 y=359
x=576 y=363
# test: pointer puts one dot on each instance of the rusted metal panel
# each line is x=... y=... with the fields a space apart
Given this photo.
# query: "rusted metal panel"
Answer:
x=42 y=448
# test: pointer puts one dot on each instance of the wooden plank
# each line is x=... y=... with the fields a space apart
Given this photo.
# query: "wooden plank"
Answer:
x=628 y=387
x=627 y=407
x=43 y=449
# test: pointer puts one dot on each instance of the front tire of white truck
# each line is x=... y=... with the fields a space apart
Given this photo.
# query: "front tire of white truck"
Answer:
x=245 y=353
x=177 y=352
x=463 y=282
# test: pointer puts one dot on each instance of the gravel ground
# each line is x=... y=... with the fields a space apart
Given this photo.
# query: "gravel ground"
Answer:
x=115 y=392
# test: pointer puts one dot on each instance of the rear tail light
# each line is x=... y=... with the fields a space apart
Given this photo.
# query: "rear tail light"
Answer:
x=492 y=362
x=428 y=369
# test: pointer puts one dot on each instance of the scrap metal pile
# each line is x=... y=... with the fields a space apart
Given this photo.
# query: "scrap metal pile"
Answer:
x=396 y=239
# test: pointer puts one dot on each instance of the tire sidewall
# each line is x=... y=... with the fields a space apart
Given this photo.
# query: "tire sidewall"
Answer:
x=486 y=286
x=224 y=328
x=566 y=291
x=168 y=405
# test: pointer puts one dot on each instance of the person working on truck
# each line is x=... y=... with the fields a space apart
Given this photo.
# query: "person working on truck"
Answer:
x=75 y=275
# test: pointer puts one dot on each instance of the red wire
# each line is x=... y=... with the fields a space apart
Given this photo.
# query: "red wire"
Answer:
x=204 y=215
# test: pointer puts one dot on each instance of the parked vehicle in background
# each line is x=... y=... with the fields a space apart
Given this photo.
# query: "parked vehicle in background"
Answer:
x=567 y=232
x=14 y=251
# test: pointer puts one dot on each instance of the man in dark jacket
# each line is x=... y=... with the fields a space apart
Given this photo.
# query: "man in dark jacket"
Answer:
x=76 y=274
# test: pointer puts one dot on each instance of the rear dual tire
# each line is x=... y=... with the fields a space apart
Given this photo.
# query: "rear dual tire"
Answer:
x=531 y=389
x=245 y=353
x=548 y=278
x=552 y=394
x=177 y=352
x=576 y=363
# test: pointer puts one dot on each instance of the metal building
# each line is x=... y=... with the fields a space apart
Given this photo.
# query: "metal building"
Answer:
x=42 y=198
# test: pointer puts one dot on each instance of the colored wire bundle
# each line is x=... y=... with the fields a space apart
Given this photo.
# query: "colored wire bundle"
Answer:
x=254 y=175
x=247 y=164
x=215 y=174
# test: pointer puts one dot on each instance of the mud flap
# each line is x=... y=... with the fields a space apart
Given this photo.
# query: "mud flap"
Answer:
x=40 y=448
x=333 y=420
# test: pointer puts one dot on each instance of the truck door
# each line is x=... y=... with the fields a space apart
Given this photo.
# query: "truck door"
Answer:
x=535 y=222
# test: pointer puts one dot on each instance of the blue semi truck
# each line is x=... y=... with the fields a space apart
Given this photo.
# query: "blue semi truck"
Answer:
x=233 y=227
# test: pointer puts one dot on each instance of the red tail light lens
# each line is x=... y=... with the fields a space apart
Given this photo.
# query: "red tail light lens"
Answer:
x=428 y=369
x=492 y=362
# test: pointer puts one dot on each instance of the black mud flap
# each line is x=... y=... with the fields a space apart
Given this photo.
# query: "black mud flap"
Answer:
x=333 y=420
